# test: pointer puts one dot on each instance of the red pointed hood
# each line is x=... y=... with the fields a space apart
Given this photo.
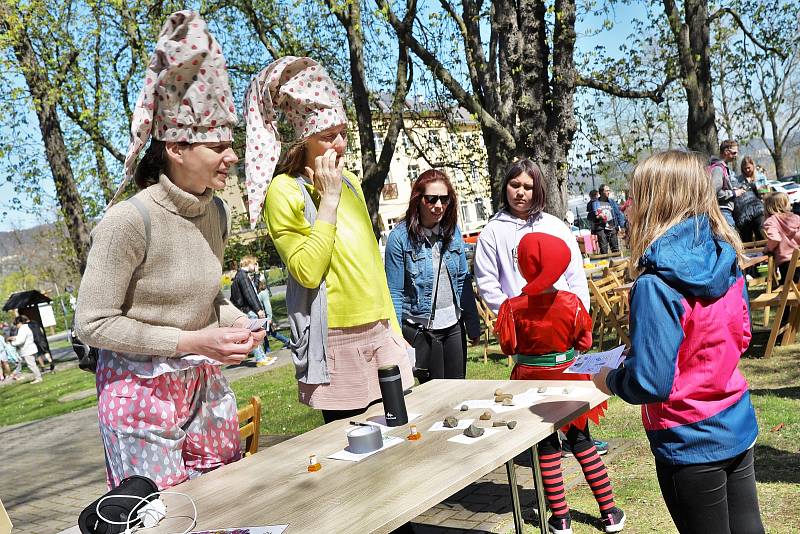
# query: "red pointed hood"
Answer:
x=542 y=258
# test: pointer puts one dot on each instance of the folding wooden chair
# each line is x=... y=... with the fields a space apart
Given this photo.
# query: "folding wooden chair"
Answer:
x=250 y=425
x=611 y=307
x=773 y=279
x=751 y=246
x=786 y=296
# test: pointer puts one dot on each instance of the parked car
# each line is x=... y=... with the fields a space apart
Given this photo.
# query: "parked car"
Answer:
x=792 y=178
x=790 y=188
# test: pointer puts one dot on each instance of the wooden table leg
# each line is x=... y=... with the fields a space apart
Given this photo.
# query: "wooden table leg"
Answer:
x=539 y=483
x=515 y=506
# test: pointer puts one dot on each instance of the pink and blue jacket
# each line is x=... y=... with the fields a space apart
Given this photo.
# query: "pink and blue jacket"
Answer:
x=690 y=324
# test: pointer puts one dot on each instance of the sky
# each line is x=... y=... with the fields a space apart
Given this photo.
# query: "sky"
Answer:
x=10 y=219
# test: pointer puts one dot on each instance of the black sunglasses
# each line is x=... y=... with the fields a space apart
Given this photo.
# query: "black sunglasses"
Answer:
x=431 y=199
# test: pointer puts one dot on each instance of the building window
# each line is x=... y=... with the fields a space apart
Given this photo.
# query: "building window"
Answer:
x=413 y=172
x=480 y=209
x=433 y=138
x=474 y=171
x=466 y=214
x=378 y=144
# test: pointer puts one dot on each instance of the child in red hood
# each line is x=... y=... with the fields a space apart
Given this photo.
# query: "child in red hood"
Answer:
x=782 y=229
x=542 y=328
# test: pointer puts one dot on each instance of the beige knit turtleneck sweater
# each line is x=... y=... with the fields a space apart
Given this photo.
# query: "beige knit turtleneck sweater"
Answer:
x=139 y=303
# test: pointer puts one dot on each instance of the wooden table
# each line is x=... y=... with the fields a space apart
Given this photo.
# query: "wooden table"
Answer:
x=387 y=489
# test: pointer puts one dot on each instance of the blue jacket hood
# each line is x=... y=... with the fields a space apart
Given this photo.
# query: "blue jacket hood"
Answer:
x=691 y=259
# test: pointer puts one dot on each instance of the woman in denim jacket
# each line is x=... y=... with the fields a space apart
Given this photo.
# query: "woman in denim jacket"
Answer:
x=425 y=259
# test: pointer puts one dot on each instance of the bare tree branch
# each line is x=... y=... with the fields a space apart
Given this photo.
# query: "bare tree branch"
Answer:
x=656 y=95
x=726 y=10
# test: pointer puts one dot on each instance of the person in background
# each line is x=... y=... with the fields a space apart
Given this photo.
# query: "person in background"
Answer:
x=542 y=328
x=154 y=307
x=26 y=346
x=754 y=175
x=748 y=210
x=426 y=268
x=607 y=220
x=244 y=295
x=722 y=169
x=264 y=295
x=43 y=347
x=690 y=324
x=782 y=230
x=340 y=312
x=627 y=203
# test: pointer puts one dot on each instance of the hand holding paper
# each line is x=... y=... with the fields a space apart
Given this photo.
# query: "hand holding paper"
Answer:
x=591 y=363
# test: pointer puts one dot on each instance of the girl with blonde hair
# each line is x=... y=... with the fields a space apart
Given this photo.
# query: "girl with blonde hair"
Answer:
x=782 y=230
x=689 y=327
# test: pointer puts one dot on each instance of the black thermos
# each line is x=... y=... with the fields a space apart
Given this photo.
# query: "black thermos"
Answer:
x=394 y=405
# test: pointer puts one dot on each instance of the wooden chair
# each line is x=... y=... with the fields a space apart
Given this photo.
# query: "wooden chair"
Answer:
x=250 y=425
x=786 y=296
x=619 y=269
x=773 y=279
x=751 y=246
x=610 y=307
x=489 y=318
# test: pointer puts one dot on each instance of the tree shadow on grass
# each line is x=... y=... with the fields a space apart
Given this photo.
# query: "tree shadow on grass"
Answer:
x=790 y=392
x=775 y=465
x=758 y=343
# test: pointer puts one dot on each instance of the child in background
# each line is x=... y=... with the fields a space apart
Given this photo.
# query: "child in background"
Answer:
x=264 y=295
x=689 y=327
x=782 y=230
x=542 y=328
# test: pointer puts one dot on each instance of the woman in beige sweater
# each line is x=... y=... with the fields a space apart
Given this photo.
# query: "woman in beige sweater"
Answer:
x=150 y=296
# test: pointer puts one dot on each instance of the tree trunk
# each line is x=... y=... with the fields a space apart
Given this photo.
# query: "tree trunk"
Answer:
x=53 y=138
x=375 y=168
x=692 y=40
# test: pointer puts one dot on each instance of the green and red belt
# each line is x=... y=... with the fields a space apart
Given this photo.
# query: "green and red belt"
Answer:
x=545 y=360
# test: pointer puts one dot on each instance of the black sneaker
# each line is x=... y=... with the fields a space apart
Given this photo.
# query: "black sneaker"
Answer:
x=613 y=520
x=560 y=524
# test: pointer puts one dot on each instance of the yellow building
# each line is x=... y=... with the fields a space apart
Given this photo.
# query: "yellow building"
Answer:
x=451 y=142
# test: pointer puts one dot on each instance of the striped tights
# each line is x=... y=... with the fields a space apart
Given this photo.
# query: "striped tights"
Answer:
x=594 y=470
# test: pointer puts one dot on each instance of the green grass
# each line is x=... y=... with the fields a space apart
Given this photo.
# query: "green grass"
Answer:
x=23 y=402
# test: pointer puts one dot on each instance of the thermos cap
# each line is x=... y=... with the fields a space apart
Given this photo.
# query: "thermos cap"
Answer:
x=388 y=373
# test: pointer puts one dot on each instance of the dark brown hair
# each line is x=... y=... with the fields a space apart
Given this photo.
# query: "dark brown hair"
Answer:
x=531 y=169
x=726 y=144
x=154 y=162
x=448 y=223
x=293 y=161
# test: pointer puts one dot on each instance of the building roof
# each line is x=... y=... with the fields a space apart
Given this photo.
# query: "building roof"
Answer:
x=25 y=299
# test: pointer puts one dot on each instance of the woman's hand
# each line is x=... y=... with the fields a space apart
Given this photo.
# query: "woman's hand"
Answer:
x=600 y=380
x=226 y=345
x=327 y=175
x=258 y=335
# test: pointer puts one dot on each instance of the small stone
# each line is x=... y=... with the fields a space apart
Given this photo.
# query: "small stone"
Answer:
x=499 y=392
x=464 y=407
x=511 y=425
x=473 y=431
x=450 y=422
x=485 y=416
x=499 y=422
x=504 y=396
x=566 y=391
x=541 y=390
x=508 y=402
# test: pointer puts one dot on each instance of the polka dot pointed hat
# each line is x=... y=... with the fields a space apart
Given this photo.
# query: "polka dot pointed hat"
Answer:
x=186 y=97
x=303 y=91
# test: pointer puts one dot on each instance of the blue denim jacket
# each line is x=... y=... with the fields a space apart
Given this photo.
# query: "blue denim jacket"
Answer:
x=410 y=271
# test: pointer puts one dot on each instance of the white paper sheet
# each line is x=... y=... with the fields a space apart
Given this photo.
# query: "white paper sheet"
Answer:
x=461 y=438
x=380 y=421
x=344 y=454
x=438 y=426
x=591 y=363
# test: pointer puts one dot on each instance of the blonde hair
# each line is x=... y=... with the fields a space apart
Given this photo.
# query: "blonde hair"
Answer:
x=667 y=188
x=777 y=204
x=247 y=261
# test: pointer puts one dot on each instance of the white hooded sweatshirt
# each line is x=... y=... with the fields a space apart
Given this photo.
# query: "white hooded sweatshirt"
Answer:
x=496 y=270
